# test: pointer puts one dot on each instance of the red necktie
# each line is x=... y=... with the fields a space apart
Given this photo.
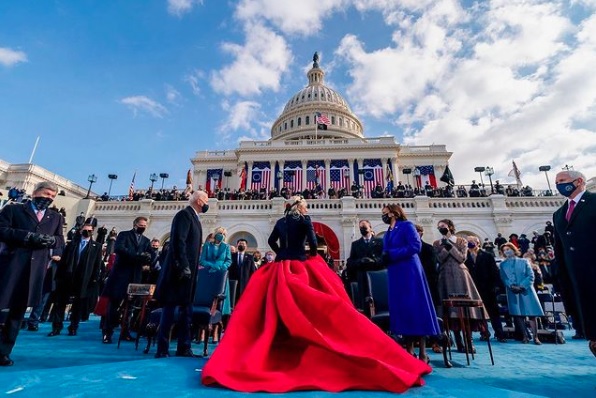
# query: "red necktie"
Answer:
x=39 y=215
x=570 y=210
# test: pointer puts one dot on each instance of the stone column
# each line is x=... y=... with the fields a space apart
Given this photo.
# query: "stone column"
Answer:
x=384 y=165
x=249 y=175
x=327 y=175
x=304 y=163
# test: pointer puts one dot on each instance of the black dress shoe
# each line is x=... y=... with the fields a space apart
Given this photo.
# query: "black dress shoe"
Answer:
x=54 y=332
x=33 y=328
x=107 y=339
x=72 y=331
x=6 y=361
x=163 y=354
x=186 y=353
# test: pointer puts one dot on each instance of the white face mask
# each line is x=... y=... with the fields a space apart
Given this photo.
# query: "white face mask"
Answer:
x=508 y=253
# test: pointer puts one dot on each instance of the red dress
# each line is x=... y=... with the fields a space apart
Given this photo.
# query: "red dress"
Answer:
x=296 y=329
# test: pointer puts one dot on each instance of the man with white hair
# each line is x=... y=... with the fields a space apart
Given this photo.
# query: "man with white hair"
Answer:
x=27 y=233
x=575 y=231
x=177 y=279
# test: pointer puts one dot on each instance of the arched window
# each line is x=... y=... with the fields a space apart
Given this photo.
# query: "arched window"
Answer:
x=285 y=125
x=332 y=119
x=299 y=121
x=292 y=123
x=307 y=120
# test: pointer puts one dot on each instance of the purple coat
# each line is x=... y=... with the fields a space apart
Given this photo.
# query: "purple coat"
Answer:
x=411 y=307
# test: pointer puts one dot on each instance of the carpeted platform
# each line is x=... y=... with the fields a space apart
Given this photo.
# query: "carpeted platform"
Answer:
x=82 y=366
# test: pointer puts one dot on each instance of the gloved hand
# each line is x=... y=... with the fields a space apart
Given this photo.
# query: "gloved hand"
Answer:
x=40 y=240
x=185 y=274
x=516 y=289
x=145 y=258
x=446 y=244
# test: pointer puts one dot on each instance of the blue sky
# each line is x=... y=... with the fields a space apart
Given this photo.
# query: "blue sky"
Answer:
x=119 y=87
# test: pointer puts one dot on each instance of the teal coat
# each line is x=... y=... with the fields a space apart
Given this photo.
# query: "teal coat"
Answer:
x=218 y=258
x=517 y=271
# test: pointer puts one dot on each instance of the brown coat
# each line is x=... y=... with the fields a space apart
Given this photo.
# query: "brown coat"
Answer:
x=454 y=277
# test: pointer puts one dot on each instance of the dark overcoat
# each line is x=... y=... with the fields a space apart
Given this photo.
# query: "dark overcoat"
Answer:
x=186 y=236
x=22 y=267
x=77 y=275
x=128 y=266
x=574 y=253
x=244 y=270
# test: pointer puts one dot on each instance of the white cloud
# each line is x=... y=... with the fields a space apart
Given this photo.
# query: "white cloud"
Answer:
x=258 y=64
x=240 y=115
x=172 y=95
x=193 y=79
x=10 y=57
x=502 y=81
x=291 y=17
x=181 y=7
x=141 y=103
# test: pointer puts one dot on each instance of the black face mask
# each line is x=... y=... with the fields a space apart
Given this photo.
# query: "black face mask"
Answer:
x=364 y=231
x=140 y=230
x=85 y=233
x=443 y=231
x=204 y=208
x=241 y=248
x=386 y=219
x=41 y=203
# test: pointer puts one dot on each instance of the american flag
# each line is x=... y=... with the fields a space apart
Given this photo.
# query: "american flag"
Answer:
x=427 y=174
x=315 y=177
x=261 y=175
x=322 y=119
x=131 y=188
x=293 y=175
x=214 y=177
x=339 y=178
x=372 y=177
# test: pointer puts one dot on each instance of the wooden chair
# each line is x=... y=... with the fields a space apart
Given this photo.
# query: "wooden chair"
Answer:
x=462 y=305
x=134 y=309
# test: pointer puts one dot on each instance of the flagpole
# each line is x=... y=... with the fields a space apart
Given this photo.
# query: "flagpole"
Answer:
x=34 y=149
x=316 y=128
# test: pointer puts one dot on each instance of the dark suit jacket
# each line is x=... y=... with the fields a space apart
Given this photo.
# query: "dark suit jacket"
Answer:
x=485 y=274
x=428 y=258
x=574 y=253
x=78 y=275
x=128 y=266
x=292 y=234
x=186 y=237
x=23 y=267
x=364 y=257
x=243 y=271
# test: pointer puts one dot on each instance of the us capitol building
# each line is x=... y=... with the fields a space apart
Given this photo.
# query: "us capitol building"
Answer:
x=317 y=139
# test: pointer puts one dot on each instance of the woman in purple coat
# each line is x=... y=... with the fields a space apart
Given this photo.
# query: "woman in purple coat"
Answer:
x=411 y=310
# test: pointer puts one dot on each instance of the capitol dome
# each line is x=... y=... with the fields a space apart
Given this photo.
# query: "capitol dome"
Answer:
x=297 y=121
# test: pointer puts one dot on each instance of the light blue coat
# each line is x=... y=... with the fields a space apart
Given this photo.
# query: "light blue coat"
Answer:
x=218 y=258
x=517 y=271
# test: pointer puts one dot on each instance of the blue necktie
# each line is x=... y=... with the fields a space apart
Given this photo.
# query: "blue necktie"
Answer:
x=82 y=246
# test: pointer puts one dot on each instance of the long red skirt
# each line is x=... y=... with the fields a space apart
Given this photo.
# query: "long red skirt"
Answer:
x=296 y=329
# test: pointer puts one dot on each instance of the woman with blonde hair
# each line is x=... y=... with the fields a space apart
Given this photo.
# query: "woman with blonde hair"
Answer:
x=296 y=328
x=522 y=300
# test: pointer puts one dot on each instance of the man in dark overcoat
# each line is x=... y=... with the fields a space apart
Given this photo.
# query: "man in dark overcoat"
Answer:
x=243 y=265
x=575 y=230
x=27 y=233
x=76 y=276
x=486 y=276
x=132 y=253
x=365 y=255
x=177 y=279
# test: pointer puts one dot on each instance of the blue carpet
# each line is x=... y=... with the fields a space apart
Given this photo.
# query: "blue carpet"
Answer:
x=82 y=366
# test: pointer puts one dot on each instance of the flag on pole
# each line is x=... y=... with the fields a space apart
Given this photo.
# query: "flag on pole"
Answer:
x=131 y=188
x=428 y=172
x=322 y=121
x=517 y=174
x=447 y=177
